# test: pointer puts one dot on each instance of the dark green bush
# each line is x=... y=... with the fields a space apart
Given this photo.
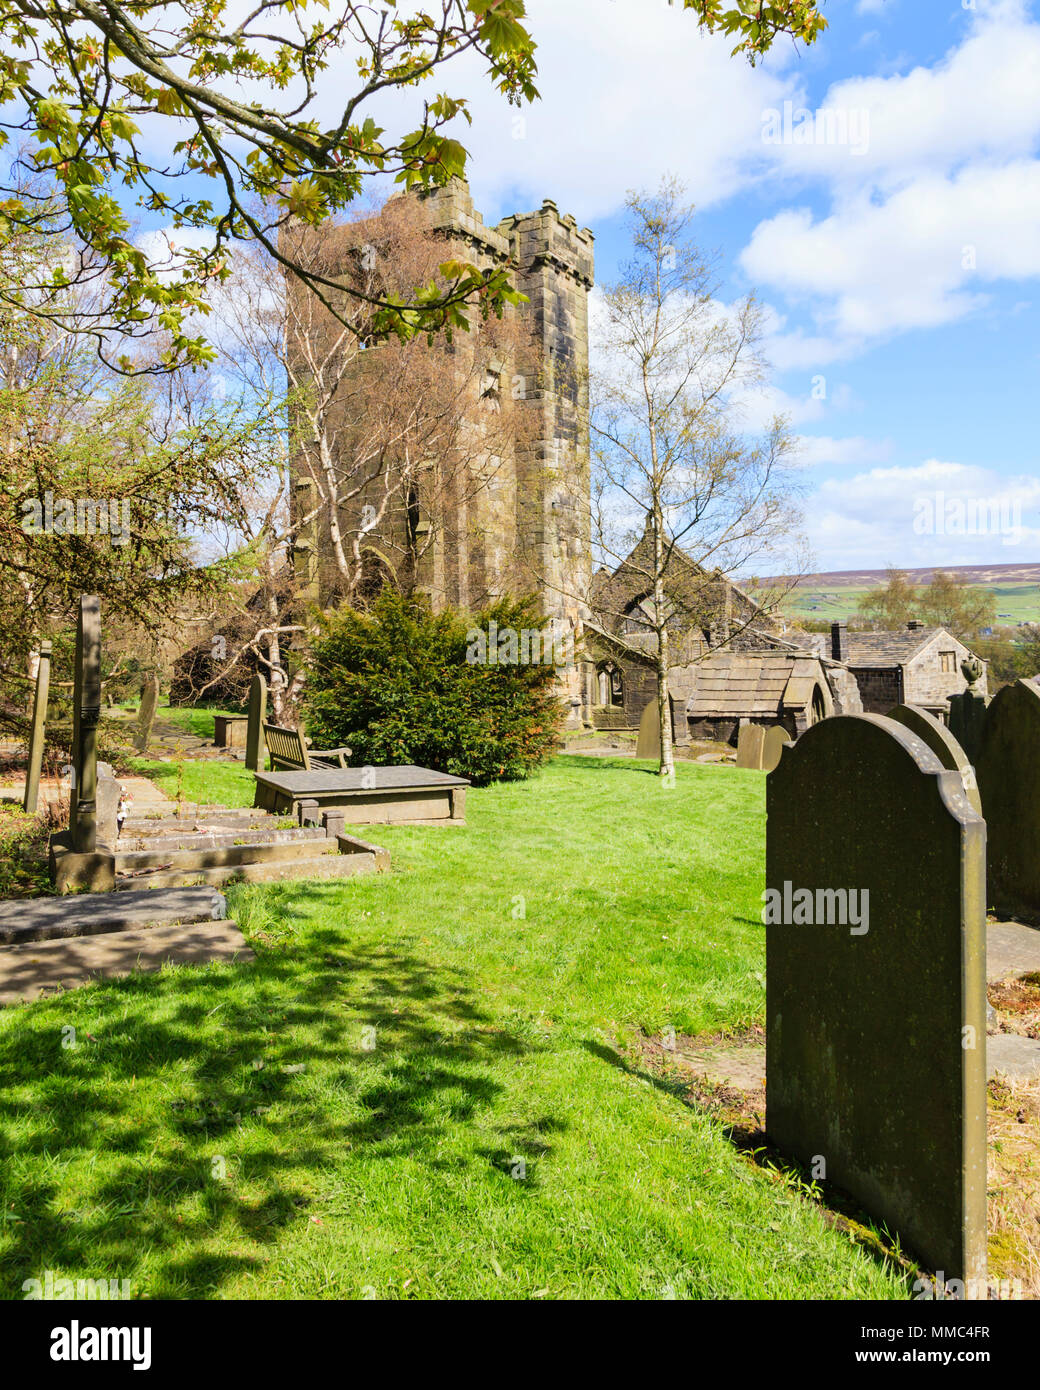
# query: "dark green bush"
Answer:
x=395 y=685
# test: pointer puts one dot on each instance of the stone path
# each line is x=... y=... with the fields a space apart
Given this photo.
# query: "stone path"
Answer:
x=147 y=796
x=38 y=969
x=1012 y=948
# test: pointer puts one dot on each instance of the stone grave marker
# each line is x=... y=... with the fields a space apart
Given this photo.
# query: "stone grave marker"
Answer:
x=750 y=746
x=85 y=715
x=776 y=740
x=1008 y=769
x=108 y=793
x=942 y=743
x=146 y=715
x=256 y=753
x=38 y=732
x=648 y=745
x=875 y=982
x=968 y=709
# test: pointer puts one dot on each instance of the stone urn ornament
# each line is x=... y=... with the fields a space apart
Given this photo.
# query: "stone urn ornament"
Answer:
x=972 y=669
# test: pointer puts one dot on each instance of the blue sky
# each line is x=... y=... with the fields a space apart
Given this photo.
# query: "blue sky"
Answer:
x=897 y=251
x=899 y=262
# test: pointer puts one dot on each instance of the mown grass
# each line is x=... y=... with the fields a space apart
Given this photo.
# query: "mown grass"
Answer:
x=193 y=719
x=216 y=783
x=420 y=1087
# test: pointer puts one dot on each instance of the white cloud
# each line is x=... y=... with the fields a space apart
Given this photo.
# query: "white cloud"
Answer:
x=629 y=90
x=921 y=259
x=980 y=101
x=941 y=207
x=923 y=515
x=823 y=450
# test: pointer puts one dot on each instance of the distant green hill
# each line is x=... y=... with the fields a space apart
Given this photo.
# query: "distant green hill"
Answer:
x=831 y=597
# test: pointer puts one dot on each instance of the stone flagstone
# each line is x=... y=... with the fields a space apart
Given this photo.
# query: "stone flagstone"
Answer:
x=146 y=716
x=773 y=745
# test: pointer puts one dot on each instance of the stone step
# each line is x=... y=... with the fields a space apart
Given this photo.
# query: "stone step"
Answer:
x=218 y=839
x=322 y=866
x=35 y=970
x=222 y=857
x=187 y=818
x=45 y=919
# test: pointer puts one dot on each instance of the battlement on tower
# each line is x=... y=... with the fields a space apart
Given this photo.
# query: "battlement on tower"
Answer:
x=546 y=238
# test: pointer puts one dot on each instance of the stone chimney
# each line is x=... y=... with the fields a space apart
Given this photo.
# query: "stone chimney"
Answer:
x=839 y=641
x=914 y=625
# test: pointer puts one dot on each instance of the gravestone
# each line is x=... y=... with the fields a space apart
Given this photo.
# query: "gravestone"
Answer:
x=773 y=745
x=77 y=860
x=648 y=745
x=256 y=753
x=38 y=732
x=968 y=709
x=750 y=746
x=146 y=715
x=1008 y=769
x=876 y=1024
x=108 y=794
x=86 y=712
x=941 y=741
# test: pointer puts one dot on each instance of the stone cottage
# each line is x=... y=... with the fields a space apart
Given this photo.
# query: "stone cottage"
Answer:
x=916 y=666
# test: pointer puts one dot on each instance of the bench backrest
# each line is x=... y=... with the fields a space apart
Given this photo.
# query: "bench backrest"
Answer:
x=286 y=747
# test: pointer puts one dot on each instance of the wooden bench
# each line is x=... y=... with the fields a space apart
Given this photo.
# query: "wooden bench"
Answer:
x=290 y=753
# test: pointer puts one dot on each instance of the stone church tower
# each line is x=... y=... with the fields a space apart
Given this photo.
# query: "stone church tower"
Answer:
x=526 y=525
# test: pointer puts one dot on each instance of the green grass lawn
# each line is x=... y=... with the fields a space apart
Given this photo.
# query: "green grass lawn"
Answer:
x=423 y=1086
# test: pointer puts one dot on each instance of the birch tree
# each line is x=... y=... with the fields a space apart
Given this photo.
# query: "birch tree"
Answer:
x=683 y=494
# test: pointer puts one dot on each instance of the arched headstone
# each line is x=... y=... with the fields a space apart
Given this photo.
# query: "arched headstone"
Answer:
x=941 y=741
x=750 y=743
x=146 y=714
x=876 y=982
x=776 y=740
x=648 y=744
x=256 y=751
x=1008 y=769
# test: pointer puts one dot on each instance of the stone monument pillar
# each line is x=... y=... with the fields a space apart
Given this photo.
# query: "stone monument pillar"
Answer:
x=38 y=733
x=86 y=712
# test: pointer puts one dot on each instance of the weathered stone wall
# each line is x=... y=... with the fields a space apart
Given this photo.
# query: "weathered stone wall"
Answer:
x=880 y=689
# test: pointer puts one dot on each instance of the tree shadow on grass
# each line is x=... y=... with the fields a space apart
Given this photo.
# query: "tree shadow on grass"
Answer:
x=189 y=1066
x=730 y=1111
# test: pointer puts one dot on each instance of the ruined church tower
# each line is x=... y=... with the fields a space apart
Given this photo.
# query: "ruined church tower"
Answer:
x=526 y=527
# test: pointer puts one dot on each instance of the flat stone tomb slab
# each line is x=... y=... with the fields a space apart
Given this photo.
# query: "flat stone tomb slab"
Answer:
x=367 y=795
